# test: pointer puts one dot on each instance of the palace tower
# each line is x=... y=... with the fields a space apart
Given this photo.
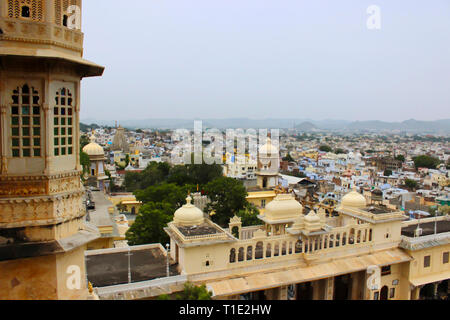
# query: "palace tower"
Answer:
x=43 y=233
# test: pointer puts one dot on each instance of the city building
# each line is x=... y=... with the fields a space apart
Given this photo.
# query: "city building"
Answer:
x=369 y=251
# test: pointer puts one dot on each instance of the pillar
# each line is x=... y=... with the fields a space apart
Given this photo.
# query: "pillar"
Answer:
x=329 y=288
x=415 y=293
x=355 y=277
x=316 y=290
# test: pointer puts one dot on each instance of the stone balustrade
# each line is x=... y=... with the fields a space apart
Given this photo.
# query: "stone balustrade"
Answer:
x=41 y=33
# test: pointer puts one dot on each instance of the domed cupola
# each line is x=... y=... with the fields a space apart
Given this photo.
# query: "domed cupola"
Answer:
x=268 y=149
x=188 y=214
x=93 y=149
x=354 y=200
x=283 y=207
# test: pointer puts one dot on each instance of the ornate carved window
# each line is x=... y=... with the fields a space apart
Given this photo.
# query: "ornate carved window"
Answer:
x=28 y=9
x=25 y=123
x=63 y=123
x=61 y=10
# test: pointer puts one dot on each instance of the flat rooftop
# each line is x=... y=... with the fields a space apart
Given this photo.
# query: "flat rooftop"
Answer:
x=427 y=228
x=108 y=269
x=378 y=209
x=201 y=230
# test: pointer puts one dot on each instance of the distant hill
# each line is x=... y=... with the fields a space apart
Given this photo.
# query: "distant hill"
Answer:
x=306 y=126
x=408 y=126
x=412 y=126
x=87 y=127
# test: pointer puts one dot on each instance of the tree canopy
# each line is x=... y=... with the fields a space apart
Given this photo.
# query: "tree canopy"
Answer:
x=325 y=148
x=181 y=175
x=228 y=197
x=190 y=292
x=425 y=161
x=410 y=184
x=149 y=224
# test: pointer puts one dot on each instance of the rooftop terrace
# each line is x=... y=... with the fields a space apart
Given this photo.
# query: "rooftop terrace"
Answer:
x=428 y=228
x=110 y=266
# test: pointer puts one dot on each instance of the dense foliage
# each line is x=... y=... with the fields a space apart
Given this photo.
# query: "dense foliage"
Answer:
x=190 y=292
x=325 y=148
x=181 y=174
x=228 y=197
x=425 y=161
x=149 y=224
x=163 y=189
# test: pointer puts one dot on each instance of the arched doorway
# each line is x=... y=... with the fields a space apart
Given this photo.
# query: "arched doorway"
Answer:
x=384 y=293
x=133 y=210
x=264 y=183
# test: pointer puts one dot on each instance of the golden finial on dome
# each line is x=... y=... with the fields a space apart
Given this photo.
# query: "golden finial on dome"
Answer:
x=90 y=288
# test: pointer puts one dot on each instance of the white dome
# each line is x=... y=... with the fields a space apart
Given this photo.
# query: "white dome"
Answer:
x=188 y=215
x=354 y=199
x=268 y=148
x=283 y=207
x=93 y=149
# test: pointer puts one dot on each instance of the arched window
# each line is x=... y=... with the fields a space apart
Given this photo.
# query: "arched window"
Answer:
x=276 y=250
x=259 y=250
x=269 y=251
x=344 y=238
x=232 y=255
x=249 y=253
x=235 y=232
x=283 y=249
x=241 y=254
x=370 y=235
x=63 y=123
x=298 y=246
x=25 y=123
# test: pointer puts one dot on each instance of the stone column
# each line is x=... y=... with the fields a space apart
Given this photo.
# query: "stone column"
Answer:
x=316 y=290
x=415 y=292
x=355 y=286
x=329 y=293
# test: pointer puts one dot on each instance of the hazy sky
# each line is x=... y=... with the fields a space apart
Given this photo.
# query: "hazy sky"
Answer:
x=267 y=59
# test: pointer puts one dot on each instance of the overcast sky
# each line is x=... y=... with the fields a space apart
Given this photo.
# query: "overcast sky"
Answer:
x=267 y=59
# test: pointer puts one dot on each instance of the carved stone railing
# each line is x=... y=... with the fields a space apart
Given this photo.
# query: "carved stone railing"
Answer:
x=265 y=248
x=41 y=33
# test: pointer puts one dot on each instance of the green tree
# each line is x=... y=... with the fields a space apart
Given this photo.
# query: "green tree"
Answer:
x=155 y=173
x=192 y=292
x=166 y=193
x=325 y=148
x=387 y=173
x=84 y=140
x=340 y=151
x=400 y=157
x=149 y=224
x=84 y=161
x=410 y=184
x=228 y=197
x=425 y=161
x=249 y=215
x=288 y=158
